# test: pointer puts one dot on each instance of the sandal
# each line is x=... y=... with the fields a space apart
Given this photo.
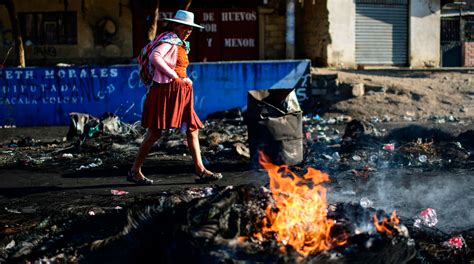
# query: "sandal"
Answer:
x=142 y=181
x=214 y=176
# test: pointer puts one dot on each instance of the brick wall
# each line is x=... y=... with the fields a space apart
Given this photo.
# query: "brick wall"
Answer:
x=312 y=31
x=274 y=35
x=469 y=54
x=273 y=21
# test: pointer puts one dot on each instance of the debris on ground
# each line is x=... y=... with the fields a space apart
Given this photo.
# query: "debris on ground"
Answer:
x=356 y=149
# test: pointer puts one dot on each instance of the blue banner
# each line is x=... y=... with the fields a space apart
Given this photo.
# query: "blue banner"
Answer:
x=45 y=95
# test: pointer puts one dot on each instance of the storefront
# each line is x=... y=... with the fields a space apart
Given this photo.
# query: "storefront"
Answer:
x=230 y=28
x=381 y=32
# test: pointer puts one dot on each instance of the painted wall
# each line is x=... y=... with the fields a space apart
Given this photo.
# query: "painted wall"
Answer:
x=86 y=51
x=36 y=96
x=341 y=49
x=425 y=24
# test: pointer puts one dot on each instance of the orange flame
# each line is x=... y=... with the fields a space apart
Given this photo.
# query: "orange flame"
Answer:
x=387 y=224
x=300 y=219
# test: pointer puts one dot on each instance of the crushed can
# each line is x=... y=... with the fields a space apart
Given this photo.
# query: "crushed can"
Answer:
x=389 y=146
x=118 y=192
x=427 y=217
x=456 y=242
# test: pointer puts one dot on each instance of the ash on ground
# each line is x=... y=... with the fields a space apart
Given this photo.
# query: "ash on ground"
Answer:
x=373 y=166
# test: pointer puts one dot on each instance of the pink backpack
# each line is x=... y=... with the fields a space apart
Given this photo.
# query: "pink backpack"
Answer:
x=145 y=68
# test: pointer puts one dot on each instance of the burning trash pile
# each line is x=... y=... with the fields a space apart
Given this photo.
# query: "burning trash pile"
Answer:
x=291 y=222
x=288 y=221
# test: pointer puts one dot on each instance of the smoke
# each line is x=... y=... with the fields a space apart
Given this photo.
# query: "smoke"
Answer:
x=409 y=191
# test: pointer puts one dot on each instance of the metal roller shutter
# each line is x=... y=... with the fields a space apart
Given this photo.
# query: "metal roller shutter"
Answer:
x=382 y=32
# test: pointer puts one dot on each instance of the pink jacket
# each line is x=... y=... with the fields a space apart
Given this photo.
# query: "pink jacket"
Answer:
x=164 y=59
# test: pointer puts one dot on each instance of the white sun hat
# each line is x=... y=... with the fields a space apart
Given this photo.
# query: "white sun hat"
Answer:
x=184 y=17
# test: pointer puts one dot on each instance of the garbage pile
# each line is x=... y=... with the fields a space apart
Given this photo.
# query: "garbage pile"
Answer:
x=225 y=219
x=219 y=224
x=364 y=147
x=107 y=142
x=330 y=145
x=222 y=228
x=211 y=225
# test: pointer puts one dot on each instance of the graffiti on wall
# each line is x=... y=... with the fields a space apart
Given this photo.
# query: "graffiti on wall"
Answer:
x=45 y=96
x=133 y=80
x=301 y=88
x=56 y=85
x=299 y=79
x=39 y=96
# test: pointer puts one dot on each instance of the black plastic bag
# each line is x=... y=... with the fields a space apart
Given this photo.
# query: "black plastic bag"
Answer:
x=274 y=123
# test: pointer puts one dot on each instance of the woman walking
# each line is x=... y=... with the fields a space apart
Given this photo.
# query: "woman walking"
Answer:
x=169 y=102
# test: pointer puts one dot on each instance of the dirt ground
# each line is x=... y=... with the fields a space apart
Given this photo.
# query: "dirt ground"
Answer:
x=52 y=209
x=403 y=95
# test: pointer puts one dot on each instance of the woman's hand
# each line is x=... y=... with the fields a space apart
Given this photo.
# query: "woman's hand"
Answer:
x=185 y=80
x=188 y=81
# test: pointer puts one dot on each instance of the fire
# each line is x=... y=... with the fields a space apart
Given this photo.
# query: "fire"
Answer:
x=300 y=217
x=387 y=224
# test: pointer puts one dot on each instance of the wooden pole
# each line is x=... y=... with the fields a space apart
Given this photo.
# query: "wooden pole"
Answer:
x=18 y=41
x=154 y=22
x=188 y=5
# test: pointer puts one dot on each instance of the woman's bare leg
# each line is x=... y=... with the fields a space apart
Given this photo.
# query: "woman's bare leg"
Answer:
x=151 y=136
x=193 y=144
x=204 y=175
